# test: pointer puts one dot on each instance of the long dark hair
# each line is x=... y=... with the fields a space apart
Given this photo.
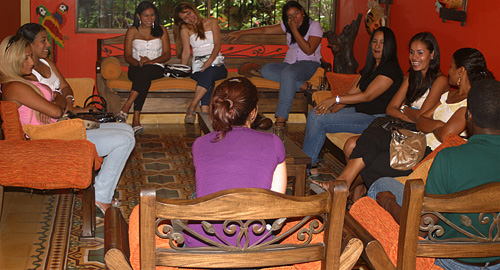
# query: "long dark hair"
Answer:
x=29 y=31
x=156 y=30
x=417 y=86
x=474 y=63
x=232 y=102
x=389 y=54
x=198 y=28
x=305 y=24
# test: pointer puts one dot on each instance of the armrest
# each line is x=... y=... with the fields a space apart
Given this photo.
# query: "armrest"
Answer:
x=116 y=245
x=373 y=253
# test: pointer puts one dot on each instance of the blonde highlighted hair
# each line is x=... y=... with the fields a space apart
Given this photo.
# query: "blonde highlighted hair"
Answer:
x=12 y=57
x=179 y=23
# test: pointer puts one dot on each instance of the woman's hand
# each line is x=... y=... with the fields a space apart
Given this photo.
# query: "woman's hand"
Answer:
x=293 y=25
x=233 y=36
x=144 y=61
x=324 y=106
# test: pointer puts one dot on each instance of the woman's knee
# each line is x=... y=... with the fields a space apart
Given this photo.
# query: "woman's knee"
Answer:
x=349 y=145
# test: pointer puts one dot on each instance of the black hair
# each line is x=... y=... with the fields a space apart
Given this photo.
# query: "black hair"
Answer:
x=231 y=104
x=29 y=31
x=156 y=30
x=417 y=86
x=305 y=24
x=474 y=63
x=389 y=54
x=483 y=103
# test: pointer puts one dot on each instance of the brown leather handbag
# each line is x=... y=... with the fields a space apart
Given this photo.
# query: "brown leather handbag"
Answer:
x=407 y=148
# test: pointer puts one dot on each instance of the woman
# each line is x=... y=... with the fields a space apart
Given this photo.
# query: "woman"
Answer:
x=302 y=58
x=234 y=155
x=147 y=47
x=203 y=36
x=37 y=106
x=420 y=92
x=368 y=96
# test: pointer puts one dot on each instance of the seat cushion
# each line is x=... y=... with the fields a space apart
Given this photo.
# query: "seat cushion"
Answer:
x=340 y=138
x=47 y=164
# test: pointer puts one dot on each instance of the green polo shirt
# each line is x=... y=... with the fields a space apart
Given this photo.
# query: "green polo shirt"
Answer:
x=463 y=167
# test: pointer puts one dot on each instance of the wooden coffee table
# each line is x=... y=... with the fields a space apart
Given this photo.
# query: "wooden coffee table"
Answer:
x=296 y=159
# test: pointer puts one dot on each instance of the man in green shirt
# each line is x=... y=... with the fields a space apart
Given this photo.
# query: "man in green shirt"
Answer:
x=463 y=167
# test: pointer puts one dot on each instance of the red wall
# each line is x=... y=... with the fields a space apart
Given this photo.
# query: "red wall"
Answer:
x=11 y=19
x=409 y=17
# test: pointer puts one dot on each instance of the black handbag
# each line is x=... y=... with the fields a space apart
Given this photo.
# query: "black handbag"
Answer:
x=99 y=115
x=387 y=122
x=176 y=71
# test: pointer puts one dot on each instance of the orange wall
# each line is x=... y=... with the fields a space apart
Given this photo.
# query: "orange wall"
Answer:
x=11 y=19
x=409 y=17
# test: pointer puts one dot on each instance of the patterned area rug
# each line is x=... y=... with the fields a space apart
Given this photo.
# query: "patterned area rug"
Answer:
x=162 y=158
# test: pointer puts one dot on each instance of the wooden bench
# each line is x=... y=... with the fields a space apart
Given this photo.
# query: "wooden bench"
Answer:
x=171 y=95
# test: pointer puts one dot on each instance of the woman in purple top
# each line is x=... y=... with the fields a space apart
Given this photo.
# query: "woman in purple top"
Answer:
x=302 y=58
x=234 y=155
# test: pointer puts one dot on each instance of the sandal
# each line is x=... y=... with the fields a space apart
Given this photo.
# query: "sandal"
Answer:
x=121 y=117
x=314 y=171
x=138 y=130
x=190 y=117
x=317 y=188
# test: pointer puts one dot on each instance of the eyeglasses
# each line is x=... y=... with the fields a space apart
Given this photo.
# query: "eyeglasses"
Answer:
x=12 y=40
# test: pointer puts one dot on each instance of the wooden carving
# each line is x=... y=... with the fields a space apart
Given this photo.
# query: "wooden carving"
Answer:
x=342 y=47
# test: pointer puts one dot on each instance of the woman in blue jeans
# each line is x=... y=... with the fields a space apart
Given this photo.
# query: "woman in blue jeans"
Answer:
x=302 y=59
x=113 y=141
x=366 y=99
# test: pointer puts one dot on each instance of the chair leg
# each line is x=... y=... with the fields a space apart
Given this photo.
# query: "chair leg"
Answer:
x=88 y=231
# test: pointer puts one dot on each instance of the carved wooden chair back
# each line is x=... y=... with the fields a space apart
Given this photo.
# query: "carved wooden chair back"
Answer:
x=484 y=200
x=248 y=209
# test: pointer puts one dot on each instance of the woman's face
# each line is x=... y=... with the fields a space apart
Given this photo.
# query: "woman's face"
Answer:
x=147 y=17
x=453 y=73
x=420 y=56
x=41 y=45
x=28 y=61
x=296 y=15
x=378 y=45
x=188 y=16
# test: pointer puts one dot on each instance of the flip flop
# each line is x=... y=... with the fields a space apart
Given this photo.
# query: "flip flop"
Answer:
x=318 y=189
x=121 y=117
x=138 y=130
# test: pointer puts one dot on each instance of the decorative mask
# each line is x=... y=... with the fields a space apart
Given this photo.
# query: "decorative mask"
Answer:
x=375 y=17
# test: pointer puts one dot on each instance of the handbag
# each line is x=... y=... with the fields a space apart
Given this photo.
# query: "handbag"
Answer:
x=387 y=122
x=407 y=148
x=176 y=71
x=199 y=61
x=93 y=118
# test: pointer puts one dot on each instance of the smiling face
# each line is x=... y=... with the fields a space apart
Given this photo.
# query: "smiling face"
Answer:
x=296 y=15
x=453 y=73
x=188 y=16
x=377 y=45
x=420 y=56
x=147 y=17
x=28 y=61
x=41 y=45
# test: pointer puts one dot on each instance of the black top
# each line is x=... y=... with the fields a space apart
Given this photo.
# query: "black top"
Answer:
x=379 y=104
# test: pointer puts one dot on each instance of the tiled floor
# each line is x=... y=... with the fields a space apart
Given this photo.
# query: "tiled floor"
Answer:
x=20 y=217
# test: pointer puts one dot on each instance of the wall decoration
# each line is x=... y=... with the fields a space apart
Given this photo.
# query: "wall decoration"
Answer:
x=52 y=22
x=342 y=47
x=455 y=10
x=375 y=16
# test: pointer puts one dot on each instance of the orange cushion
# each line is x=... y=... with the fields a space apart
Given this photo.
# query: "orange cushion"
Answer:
x=384 y=228
x=111 y=68
x=11 y=126
x=47 y=164
x=72 y=129
x=450 y=141
x=340 y=83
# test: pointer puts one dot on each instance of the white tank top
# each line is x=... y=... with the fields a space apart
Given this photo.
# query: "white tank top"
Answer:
x=53 y=81
x=151 y=49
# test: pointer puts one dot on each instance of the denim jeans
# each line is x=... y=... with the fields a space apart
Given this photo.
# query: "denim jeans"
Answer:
x=290 y=77
x=345 y=120
x=207 y=78
x=450 y=264
x=114 y=142
x=387 y=184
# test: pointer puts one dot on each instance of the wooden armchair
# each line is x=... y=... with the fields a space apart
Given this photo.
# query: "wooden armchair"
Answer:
x=484 y=199
x=47 y=164
x=298 y=242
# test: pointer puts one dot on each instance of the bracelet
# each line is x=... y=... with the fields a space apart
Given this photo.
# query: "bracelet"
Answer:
x=337 y=99
x=72 y=98
x=402 y=110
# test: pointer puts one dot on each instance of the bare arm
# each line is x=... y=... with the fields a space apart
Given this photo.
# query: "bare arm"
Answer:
x=264 y=30
x=214 y=26
x=23 y=94
x=64 y=87
x=129 y=37
x=165 y=56
x=279 y=178
x=307 y=46
x=186 y=48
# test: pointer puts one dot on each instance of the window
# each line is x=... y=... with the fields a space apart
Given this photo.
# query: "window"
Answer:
x=114 y=16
